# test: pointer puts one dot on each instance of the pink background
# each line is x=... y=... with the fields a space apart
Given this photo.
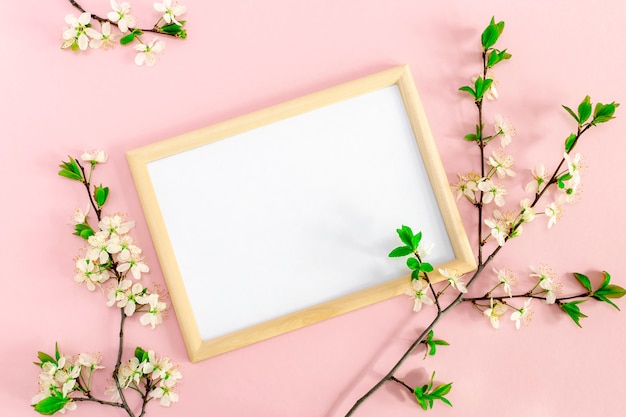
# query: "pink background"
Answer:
x=245 y=55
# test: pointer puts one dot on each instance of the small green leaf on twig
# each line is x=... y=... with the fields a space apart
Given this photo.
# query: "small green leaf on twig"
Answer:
x=171 y=29
x=425 y=397
x=573 y=310
x=491 y=34
x=608 y=290
x=584 y=110
x=83 y=230
x=400 y=251
x=571 y=112
x=51 y=405
x=140 y=354
x=71 y=170
x=432 y=344
x=469 y=90
x=583 y=280
x=570 y=142
x=101 y=194
x=602 y=113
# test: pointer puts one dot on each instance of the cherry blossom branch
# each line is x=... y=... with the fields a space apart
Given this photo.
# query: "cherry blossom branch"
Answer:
x=100 y=19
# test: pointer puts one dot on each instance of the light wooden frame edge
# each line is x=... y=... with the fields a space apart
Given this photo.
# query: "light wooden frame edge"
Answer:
x=138 y=160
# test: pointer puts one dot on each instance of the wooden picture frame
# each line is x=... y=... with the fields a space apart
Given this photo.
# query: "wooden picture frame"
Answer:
x=284 y=217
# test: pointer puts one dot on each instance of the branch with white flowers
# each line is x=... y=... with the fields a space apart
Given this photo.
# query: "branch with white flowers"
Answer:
x=109 y=258
x=482 y=190
x=81 y=35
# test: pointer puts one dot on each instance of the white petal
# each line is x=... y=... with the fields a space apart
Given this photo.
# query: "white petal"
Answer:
x=83 y=41
x=84 y=18
x=140 y=58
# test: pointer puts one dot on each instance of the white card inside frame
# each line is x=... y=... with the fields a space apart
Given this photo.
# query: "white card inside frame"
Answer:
x=283 y=221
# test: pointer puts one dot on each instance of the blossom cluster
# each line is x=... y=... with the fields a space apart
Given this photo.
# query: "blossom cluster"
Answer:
x=156 y=374
x=60 y=376
x=112 y=258
x=111 y=254
x=81 y=35
x=545 y=288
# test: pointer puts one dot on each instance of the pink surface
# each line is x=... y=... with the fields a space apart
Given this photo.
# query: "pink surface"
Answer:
x=245 y=55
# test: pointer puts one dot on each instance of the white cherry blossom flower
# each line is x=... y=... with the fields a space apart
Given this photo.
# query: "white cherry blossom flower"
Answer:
x=121 y=15
x=419 y=294
x=424 y=251
x=135 y=266
x=547 y=282
x=506 y=277
x=171 y=10
x=154 y=316
x=147 y=53
x=129 y=251
x=554 y=212
x=539 y=178
x=523 y=315
x=500 y=225
x=454 y=278
x=89 y=273
x=165 y=394
x=574 y=163
x=505 y=129
x=115 y=225
x=501 y=163
x=492 y=192
x=75 y=36
x=95 y=156
x=104 y=40
x=494 y=312
x=90 y=360
x=527 y=213
x=79 y=216
x=129 y=372
x=467 y=186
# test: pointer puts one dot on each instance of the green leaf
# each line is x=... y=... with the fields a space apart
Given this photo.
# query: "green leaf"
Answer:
x=600 y=297
x=583 y=280
x=400 y=251
x=441 y=390
x=413 y=264
x=446 y=401
x=182 y=34
x=57 y=354
x=496 y=56
x=44 y=357
x=415 y=240
x=426 y=267
x=469 y=90
x=584 y=110
x=481 y=86
x=415 y=274
x=406 y=236
x=101 y=194
x=613 y=291
x=83 y=230
x=71 y=170
x=603 y=112
x=70 y=175
x=50 y=405
x=573 y=311
x=571 y=112
x=171 y=29
x=140 y=354
x=570 y=142
x=491 y=34
x=471 y=137
x=126 y=39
